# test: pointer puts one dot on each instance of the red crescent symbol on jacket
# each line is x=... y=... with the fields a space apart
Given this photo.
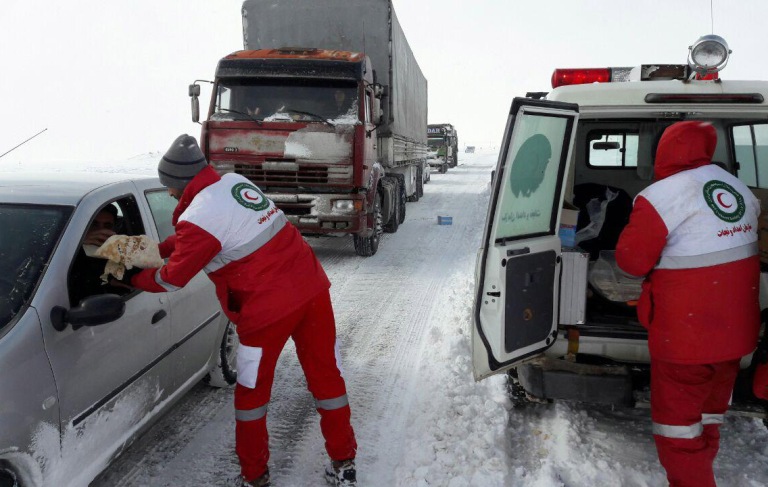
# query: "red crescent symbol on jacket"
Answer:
x=245 y=195
x=720 y=200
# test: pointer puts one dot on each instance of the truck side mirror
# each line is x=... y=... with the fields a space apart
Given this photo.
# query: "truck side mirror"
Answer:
x=379 y=91
x=194 y=92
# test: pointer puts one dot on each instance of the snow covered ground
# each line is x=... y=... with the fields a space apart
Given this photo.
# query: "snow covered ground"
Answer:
x=403 y=317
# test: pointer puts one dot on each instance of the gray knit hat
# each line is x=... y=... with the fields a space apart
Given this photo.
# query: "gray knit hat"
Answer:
x=181 y=162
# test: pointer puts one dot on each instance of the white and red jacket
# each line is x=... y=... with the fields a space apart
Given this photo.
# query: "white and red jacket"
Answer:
x=261 y=266
x=693 y=234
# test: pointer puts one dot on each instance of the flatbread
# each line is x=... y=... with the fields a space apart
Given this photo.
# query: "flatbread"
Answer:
x=126 y=252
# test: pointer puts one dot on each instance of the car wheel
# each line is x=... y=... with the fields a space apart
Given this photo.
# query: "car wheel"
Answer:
x=367 y=246
x=517 y=395
x=225 y=372
x=7 y=476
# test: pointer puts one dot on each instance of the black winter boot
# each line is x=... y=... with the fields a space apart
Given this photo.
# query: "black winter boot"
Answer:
x=341 y=473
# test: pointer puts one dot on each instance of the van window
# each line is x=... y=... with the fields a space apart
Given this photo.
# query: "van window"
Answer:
x=531 y=186
x=750 y=145
x=612 y=149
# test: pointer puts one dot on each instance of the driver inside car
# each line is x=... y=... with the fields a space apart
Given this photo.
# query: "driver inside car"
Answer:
x=85 y=276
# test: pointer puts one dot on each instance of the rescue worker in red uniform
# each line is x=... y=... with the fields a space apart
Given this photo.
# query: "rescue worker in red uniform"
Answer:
x=693 y=235
x=271 y=285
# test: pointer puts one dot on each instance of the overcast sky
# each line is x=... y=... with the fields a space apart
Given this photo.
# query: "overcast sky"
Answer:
x=108 y=79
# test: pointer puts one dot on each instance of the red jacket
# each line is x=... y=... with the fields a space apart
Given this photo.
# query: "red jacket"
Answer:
x=261 y=266
x=693 y=234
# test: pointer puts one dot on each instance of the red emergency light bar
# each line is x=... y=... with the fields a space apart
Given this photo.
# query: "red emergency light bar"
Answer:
x=564 y=77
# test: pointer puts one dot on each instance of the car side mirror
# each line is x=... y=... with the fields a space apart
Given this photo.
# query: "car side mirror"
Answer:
x=92 y=311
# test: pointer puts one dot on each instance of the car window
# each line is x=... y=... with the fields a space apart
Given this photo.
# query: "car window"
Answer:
x=162 y=205
x=612 y=149
x=84 y=278
x=751 y=149
x=29 y=234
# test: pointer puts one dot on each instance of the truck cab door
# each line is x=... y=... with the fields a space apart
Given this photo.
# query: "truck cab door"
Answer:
x=518 y=269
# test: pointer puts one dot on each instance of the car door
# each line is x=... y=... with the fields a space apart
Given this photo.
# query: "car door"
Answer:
x=111 y=377
x=196 y=317
x=517 y=275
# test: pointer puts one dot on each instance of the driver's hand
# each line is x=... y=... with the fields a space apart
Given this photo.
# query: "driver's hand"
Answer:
x=98 y=237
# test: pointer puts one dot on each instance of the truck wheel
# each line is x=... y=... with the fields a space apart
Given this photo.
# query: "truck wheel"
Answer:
x=367 y=246
x=420 y=185
x=416 y=195
x=403 y=197
x=394 y=221
x=443 y=168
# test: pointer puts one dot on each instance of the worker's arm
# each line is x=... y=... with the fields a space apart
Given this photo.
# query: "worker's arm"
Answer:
x=642 y=240
x=166 y=246
x=193 y=249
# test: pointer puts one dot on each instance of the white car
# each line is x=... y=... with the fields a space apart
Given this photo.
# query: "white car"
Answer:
x=82 y=376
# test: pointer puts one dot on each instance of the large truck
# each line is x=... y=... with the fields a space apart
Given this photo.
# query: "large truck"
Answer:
x=552 y=309
x=326 y=111
x=443 y=144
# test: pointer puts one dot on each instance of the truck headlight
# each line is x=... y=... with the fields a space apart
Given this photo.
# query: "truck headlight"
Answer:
x=344 y=205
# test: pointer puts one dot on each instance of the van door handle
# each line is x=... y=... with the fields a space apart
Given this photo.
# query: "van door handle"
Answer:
x=496 y=294
x=158 y=316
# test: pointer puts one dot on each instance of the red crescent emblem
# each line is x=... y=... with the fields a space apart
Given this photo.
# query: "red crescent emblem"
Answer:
x=720 y=200
x=245 y=195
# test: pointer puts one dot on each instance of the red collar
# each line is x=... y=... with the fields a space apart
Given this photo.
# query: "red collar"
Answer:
x=202 y=180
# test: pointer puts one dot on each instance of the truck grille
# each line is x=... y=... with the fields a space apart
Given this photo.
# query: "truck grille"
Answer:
x=305 y=176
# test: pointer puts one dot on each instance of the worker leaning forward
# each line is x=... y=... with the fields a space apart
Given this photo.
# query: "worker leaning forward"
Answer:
x=271 y=285
x=693 y=234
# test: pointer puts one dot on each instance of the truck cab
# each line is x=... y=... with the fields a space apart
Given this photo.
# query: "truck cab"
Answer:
x=551 y=307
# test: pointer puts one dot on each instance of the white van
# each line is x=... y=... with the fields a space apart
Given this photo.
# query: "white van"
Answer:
x=553 y=311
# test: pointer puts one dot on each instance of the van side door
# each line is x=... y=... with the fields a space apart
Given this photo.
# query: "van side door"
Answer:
x=518 y=269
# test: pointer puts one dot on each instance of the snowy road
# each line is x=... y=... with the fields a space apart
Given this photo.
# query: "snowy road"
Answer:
x=403 y=318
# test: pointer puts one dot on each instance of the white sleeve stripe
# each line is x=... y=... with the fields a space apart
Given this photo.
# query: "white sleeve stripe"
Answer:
x=163 y=284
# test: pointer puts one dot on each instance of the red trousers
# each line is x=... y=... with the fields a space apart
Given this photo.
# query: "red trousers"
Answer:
x=687 y=407
x=313 y=330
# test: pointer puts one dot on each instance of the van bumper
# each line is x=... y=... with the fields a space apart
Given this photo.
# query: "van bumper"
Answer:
x=561 y=379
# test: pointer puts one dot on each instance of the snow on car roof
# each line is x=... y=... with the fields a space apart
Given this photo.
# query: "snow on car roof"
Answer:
x=59 y=188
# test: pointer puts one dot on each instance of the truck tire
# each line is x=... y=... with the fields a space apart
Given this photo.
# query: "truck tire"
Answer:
x=394 y=222
x=403 y=197
x=367 y=246
x=443 y=168
x=419 y=183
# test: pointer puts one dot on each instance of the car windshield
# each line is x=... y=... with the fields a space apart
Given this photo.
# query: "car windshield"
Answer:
x=29 y=234
x=286 y=100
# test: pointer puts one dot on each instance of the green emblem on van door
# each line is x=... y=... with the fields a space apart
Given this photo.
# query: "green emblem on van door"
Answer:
x=250 y=196
x=726 y=203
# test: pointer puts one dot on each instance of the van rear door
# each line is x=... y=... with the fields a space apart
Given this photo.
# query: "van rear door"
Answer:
x=518 y=269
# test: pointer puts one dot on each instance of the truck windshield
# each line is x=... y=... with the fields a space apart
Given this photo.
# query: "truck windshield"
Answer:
x=286 y=100
x=28 y=237
x=435 y=143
